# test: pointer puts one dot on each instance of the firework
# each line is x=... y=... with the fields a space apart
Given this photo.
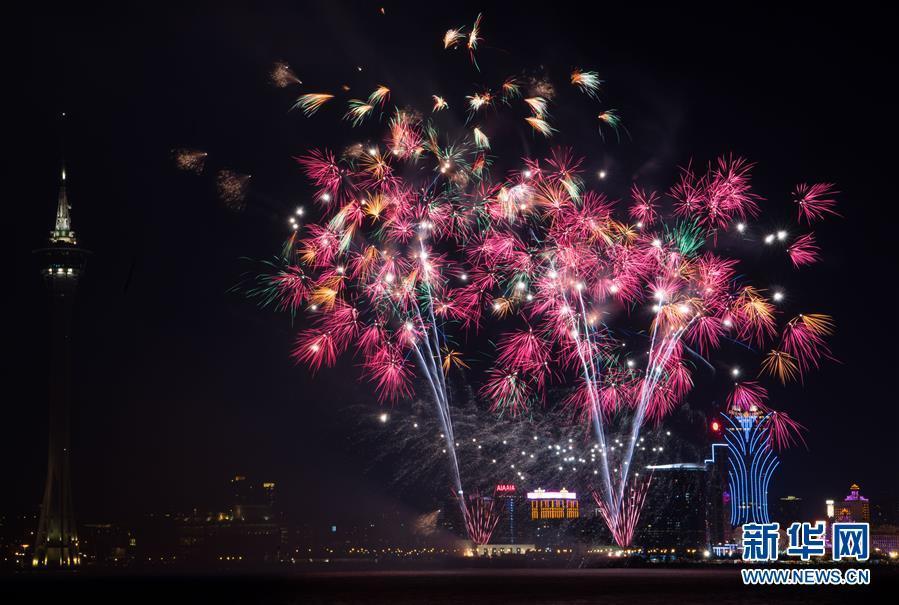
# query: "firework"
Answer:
x=476 y=102
x=747 y=396
x=453 y=359
x=803 y=340
x=784 y=430
x=423 y=237
x=452 y=37
x=611 y=119
x=358 y=111
x=587 y=81
x=439 y=103
x=547 y=449
x=282 y=76
x=622 y=522
x=379 y=96
x=781 y=365
x=480 y=517
x=511 y=89
x=311 y=103
x=804 y=250
x=232 y=188
x=537 y=105
x=541 y=126
x=474 y=38
x=815 y=201
x=480 y=139
x=645 y=209
x=190 y=160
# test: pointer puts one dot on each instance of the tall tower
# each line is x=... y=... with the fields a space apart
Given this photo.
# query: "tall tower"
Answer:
x=62 y=264
x=751 y=463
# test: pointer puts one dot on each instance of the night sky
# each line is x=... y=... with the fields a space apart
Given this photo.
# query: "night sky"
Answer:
x=181 y=383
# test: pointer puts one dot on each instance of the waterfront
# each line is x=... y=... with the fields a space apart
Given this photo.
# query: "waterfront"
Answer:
x=607 y=586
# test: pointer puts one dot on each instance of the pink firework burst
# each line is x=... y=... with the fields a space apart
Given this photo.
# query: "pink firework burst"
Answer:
x=480 y=516
x=805 y=343
x=804 y=250
x=815 y=201
x=622 y=521
x=389 y=370
x=747 y=396
x=784 y=430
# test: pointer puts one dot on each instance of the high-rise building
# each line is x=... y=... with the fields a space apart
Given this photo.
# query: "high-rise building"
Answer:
x=508 y=530
x=63 y=262
x=789 y=510
x=751 y=464
x=552 y=515
x=553 y=505
x=681 y=511
x=854 y=506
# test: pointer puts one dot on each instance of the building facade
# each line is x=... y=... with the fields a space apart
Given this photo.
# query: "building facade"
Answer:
x=751 y=464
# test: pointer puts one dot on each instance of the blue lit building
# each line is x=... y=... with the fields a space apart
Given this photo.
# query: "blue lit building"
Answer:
x=751 y=462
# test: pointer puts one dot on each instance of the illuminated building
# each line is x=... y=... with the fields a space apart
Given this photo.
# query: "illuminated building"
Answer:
x=553 y=505
x=552 y=516
x=684 y=509
x=751 y=463
x=498 y=550
x=857 y=505
x=506 y=531
x=56 y=543
x=887 y=544
x=789 y=510
x=854 y=507
x=252 y=501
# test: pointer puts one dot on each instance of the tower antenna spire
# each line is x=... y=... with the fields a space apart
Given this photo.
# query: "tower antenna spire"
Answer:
x=62 y=230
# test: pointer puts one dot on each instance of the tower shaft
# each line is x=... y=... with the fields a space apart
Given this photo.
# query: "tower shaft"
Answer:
x=57 y=537
x=56 y=543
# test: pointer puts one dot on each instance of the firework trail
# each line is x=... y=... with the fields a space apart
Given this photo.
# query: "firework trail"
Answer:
x=282 y=76
x=623 y=521
x=543 y=449
x=611 y=119
x=480 y=517
x=190 y=160
x=312 y=102
x=587 y=81
x=429 y=237
x=439 y=104
x=232 y=188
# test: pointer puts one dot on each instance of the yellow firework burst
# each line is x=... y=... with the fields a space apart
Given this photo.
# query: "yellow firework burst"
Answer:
x=312 y=102
x=541 y=126
x=453 y=358
x=819 y=324
x=781 y=365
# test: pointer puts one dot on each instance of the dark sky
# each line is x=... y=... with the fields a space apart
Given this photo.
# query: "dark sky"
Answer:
x=181 y=383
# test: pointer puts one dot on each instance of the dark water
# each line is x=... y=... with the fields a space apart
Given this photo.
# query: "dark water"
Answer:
x=604 y=586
